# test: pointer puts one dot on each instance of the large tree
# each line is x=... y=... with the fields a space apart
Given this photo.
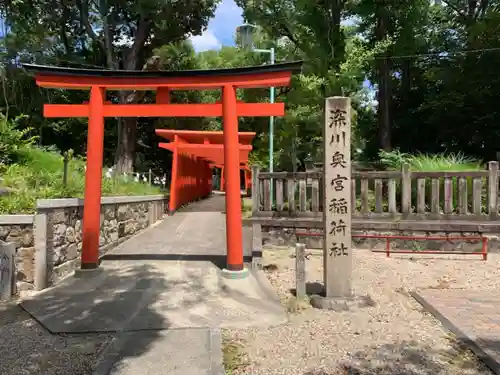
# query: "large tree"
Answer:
x=117 y=34
x=314 y=29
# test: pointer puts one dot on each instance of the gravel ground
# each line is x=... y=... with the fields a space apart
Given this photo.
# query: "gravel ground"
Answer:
x=27 y=348
x=391 y=335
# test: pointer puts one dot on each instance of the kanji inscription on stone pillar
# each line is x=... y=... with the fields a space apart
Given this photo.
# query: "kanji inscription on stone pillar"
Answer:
x=337 y=250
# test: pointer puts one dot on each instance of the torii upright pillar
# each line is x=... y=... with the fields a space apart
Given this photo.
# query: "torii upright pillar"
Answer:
x=234 y=230
x=93 y=180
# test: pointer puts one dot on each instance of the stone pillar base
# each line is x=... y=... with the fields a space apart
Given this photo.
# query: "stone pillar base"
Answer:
x=341 y=303
x=235 y=275
x=86 y=273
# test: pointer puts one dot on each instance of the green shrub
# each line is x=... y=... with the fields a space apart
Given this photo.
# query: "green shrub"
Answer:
x=38 y=174
x=13 y=141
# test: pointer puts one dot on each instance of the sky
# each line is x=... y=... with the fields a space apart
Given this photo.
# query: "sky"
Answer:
x=221 y=29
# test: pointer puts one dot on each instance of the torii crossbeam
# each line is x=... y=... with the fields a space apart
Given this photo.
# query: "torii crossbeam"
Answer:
x=163 y=82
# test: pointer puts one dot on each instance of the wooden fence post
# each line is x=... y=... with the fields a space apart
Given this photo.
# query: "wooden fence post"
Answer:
x=300 y=270
x=255 y=189
x=493 y=189
x=150 y=176
x=405 y=189
x=65 y=168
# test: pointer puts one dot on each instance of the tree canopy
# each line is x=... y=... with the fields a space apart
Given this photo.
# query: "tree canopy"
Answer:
x=421 y=74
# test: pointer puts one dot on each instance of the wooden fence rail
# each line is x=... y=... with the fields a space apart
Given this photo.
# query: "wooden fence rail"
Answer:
x=405 y=195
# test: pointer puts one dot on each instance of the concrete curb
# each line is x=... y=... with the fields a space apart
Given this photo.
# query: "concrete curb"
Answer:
x=216 y=357
x=461 y=336
x=111 y=355
x=43 y=204
x=113 y=352
x=17 y=219
x=265 y=284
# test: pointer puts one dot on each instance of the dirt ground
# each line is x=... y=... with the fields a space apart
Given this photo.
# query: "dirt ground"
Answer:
x=27 y=348
x=390 y=335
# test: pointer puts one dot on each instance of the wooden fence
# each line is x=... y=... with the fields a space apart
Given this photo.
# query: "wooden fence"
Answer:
x=394 y=195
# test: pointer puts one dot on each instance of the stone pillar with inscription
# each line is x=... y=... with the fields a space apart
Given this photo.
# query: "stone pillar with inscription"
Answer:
x=337 y=250
x=7 y=270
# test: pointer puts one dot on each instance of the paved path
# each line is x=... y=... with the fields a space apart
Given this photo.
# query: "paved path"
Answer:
x=196 y=232
x=161 y=293
x=473 y=316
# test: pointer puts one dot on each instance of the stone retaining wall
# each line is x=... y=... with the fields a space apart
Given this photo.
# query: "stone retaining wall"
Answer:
x=19 y=230
x=286 y=237
x=49 y=243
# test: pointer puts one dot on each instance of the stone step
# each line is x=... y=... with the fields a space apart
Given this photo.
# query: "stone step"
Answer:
x=193 y=351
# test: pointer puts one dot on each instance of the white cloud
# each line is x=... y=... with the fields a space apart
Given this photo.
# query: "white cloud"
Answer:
x=205 y=41
x=221 y=28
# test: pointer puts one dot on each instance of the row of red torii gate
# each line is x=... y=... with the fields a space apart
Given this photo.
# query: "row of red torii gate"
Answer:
x=195 y=154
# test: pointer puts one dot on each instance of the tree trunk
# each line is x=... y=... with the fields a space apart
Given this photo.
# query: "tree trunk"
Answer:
x=384 y=92
x=125 y=151
x=127 y=127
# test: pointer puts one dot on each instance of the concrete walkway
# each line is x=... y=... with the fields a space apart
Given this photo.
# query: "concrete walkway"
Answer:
x=472 y=315
x=164 y=297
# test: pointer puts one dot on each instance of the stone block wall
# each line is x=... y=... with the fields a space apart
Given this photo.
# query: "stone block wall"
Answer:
x=117 y=221
x=286 y=237
x=49 y=244
x=19 y=230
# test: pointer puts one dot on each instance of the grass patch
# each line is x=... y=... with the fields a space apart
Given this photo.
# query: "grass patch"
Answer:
x=38 y=174
x=246 y=207
x=441 y=162
x=295 y=305
x=233 y=355
x=460 y=356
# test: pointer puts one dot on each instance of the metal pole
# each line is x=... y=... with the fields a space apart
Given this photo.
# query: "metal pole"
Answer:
x=271 y=133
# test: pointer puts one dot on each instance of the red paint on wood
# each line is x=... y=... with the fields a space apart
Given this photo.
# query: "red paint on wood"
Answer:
x=82 y=82
x=164 y=110
x=93 y=179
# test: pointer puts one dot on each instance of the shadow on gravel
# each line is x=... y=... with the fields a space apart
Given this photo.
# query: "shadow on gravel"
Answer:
x=411 y=358
x=74 y=327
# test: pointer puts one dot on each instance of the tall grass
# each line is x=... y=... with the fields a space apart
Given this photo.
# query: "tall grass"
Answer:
x=441 y=162
x=39 y=172
x=429 y=163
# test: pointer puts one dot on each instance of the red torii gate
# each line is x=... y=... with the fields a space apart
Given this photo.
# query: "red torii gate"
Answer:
x=195 y=153
x=97 y=109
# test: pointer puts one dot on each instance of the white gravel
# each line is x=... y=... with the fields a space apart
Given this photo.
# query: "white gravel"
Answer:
x=27 y=348
x=393 y=336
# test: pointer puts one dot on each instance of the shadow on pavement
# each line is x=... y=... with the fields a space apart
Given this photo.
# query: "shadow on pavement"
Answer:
x=218 y=260
x=124 y=301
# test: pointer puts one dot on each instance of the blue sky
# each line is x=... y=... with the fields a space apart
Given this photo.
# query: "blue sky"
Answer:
x=221 y=29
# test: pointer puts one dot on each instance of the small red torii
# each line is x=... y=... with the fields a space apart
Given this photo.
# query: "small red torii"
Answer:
x=98 y=82
x=195 y=153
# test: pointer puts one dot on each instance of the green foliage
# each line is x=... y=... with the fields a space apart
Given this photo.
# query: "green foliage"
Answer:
x=429 y=163
x=432 y=163
x=13 y=142
x=39 y=175
x=430 y=103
